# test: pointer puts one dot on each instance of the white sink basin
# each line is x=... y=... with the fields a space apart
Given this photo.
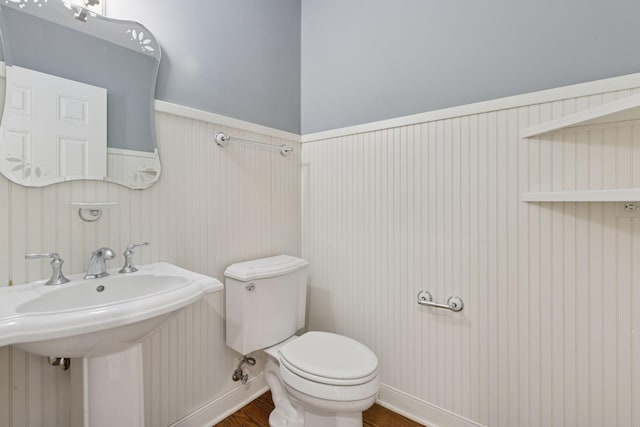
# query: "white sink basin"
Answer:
x=95 y=317
x=101 y=292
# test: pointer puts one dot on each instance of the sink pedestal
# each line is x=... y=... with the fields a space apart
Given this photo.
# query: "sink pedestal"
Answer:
x=107 y=391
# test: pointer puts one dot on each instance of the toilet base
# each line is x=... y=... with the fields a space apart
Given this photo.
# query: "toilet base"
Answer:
x=323 y=413
x=333 y=420
x=307 y=418
x=278 y=418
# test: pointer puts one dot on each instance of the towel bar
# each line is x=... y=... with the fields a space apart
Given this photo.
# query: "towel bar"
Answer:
x=453 y=303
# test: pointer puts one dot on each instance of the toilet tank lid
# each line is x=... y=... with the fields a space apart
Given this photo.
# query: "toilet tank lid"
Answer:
x=265 y=267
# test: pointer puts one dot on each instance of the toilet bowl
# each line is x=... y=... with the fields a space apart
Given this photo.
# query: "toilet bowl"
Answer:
x=321 y=379
x=318 y=379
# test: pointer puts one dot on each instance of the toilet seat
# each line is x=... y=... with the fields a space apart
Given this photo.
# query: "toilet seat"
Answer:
x=331 y=359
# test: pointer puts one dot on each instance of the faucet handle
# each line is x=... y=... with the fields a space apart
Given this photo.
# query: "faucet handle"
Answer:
x=57 y=278
x=52 y=255
x=128 y=254
x=135 y=245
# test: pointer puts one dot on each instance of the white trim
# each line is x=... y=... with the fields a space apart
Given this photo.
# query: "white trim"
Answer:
x=205 y=116
x=219 y=409
x=419 y=410
x=388 y=397
x=93 y=205
x=549 y=95
x=133 y=153
x=612 y=195
x=628 y=105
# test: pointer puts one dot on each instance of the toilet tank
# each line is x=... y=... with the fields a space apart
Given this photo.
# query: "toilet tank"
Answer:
x=265 y=301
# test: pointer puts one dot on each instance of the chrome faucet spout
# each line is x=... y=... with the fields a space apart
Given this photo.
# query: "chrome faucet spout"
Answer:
x=97 y=263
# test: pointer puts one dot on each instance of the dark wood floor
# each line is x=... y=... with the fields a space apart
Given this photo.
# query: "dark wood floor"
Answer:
x=257 y=413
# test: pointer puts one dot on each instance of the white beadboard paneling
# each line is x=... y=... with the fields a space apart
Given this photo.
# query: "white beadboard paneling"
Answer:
x=548 y=335
x=211 y=207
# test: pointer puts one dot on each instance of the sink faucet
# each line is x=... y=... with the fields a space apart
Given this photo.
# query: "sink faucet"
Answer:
x=57 y=278
x=128 y=254
x=97 y=263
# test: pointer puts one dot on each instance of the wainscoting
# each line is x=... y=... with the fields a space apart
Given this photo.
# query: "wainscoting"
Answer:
x=211 y=207
x=546 y=337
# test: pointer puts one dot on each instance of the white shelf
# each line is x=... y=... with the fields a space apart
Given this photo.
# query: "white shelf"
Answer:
x=623 y=109
x=94 y=205
x=618 y=195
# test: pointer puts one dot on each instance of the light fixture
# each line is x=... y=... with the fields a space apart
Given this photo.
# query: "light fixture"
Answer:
x=85 y=8
x=95 y=6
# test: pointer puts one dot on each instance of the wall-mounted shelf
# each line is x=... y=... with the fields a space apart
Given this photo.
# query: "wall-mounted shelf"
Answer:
x=621 y=110
x=617 y=195
x=94 y=205
x=624 y=109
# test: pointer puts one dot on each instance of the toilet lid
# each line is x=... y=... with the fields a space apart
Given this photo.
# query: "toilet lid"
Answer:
x=265 y=267
x=329 y=359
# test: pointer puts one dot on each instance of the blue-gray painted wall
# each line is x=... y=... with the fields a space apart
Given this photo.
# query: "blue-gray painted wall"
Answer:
x=368 y=60
x=238 y=58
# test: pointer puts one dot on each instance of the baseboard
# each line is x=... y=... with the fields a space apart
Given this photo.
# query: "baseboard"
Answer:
x=419 y=410
x=389 y=397
x=219 y=409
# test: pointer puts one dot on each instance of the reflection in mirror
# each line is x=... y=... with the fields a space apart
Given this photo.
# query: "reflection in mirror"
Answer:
x=79 y=96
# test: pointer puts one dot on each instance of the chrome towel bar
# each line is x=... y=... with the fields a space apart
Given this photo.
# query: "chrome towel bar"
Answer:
x=453 y=303
x=222 y=139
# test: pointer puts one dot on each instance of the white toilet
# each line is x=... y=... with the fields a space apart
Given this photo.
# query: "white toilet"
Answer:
x=318 y=379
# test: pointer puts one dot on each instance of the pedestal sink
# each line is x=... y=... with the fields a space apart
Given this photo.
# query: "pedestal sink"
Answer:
x=101 y=322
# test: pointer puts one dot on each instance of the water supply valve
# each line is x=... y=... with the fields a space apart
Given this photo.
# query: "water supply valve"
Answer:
x=238 y=375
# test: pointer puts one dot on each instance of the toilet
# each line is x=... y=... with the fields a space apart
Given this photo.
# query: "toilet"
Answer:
x=318 y=379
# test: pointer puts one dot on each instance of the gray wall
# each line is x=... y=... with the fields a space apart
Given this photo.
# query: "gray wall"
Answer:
x=367 y=60
x=238 y=58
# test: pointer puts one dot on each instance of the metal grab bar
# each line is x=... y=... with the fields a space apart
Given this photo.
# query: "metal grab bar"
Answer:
x=222 y=139
x=453 y=303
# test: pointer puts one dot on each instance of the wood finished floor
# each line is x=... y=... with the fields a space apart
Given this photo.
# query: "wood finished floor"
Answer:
x=257 y=413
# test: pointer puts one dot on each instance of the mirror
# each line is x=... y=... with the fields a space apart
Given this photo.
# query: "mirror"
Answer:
x=79 y=96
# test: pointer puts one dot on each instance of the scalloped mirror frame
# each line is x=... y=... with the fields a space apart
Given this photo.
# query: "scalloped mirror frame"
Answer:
x=125 y=165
